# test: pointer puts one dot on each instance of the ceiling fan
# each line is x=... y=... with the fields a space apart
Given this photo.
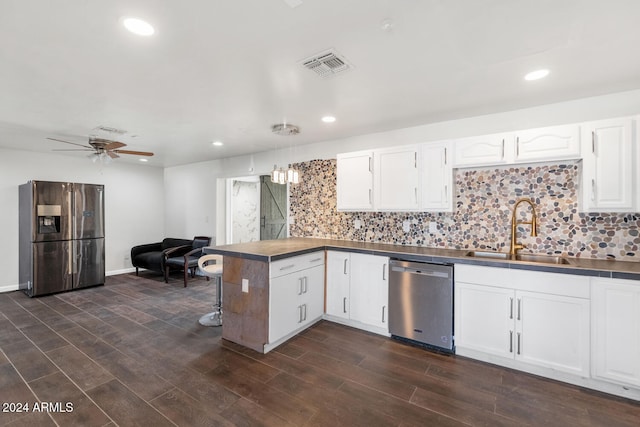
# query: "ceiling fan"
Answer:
x=103 y=149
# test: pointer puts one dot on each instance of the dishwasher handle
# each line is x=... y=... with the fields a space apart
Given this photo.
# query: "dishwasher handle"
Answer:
x=420 y=271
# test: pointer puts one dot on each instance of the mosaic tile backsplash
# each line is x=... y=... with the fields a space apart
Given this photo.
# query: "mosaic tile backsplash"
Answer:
x=484 y=199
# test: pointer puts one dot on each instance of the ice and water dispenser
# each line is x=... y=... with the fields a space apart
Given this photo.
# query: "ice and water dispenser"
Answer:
x=49 y=218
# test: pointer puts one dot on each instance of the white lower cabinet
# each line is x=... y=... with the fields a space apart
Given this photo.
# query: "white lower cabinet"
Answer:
x=296 y=299
x=533 y=318
x=615 y=307
x=358 y=290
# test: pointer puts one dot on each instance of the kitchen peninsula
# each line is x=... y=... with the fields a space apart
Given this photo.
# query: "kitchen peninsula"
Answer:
x=273 y=290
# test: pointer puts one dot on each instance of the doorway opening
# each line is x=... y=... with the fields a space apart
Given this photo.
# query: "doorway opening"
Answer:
x=256 y=209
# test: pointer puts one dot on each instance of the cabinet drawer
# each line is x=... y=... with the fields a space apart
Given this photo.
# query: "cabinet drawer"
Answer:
x=296 y=263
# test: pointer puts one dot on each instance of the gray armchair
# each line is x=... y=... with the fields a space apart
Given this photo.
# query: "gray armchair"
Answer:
x=185 y=258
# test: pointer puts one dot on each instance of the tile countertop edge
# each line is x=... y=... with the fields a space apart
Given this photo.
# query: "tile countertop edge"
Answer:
x=291 y=247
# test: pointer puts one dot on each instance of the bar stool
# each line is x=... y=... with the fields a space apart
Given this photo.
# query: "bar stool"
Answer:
x=211 y=266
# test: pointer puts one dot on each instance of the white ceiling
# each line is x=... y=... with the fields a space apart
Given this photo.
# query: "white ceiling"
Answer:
x=229 y=69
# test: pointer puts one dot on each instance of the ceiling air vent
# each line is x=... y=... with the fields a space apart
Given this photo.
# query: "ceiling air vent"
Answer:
x=285 y=129
x=326 y=64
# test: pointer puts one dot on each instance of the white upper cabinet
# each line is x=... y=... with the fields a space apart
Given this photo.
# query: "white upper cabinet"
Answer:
x=533 y=145
x=608 y=175
x=551 y=143
x=437 y=177
x=396 y=179
x=482 y=150
x=355 y=181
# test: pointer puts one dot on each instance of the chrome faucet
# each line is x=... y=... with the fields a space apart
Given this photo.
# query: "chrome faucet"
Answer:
x=514 y=222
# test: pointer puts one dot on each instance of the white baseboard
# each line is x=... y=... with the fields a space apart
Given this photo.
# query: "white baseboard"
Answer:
x=122 y=271
x=9 y=288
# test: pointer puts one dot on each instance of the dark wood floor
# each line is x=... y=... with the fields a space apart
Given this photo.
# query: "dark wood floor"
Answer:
x=132 y=353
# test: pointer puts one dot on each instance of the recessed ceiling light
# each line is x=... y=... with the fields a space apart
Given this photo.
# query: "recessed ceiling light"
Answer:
x=138 y=26
x=328 y=119
x=536 y=75
x=217 y=143
x=144 y=160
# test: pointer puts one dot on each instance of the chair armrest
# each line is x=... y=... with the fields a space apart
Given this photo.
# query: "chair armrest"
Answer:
x=192 y=252
x=177 y=251
x=149 y=247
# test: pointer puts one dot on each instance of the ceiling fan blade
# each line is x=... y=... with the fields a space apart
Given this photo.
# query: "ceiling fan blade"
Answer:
x=67 y=142
x=112 y=154
x=72 y=149
x=114 y=145
x=136 y=153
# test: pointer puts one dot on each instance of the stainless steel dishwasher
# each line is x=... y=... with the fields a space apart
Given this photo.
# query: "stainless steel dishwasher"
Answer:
x=421 y=303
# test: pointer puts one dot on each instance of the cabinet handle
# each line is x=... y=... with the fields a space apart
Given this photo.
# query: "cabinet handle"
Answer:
x=345 y=265
x=517 y=146
x=445 y=155
x=415 y=160
x=519 y=304
x=344 y=304
x=593 y=190
x=384 y=271
x=305 y=312
x=316 y=260
x=446 y=193
x=510 y=341
x=370 y=196
x=299 y=314
x=286 y=267
x=300 y=286
x=416 y=194
x=383 y=309
x=370 y=167
x=510 y=308
x=518 y=352
x=305 y=281
x=593 y=142
x=502 y=148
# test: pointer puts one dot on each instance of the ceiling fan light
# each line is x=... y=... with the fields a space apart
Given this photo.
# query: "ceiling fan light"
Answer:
x=282 y=177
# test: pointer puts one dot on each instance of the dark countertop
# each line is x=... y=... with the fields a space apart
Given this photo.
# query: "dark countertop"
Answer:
x=272 y=250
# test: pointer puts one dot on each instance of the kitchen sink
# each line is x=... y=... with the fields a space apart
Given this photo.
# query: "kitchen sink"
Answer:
x=488 y=254
x=544 y=259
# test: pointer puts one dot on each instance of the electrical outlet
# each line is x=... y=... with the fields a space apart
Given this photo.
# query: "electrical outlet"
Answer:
x=406 y=226
x=433 y=227
x=357 y=224
x=245 y=285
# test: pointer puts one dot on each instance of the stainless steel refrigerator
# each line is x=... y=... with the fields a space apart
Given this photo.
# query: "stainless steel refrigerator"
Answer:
x=61 y=236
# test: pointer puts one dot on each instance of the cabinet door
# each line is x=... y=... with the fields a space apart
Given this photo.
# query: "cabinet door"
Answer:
x=481 y=150
x=553 y=331
x=616 y=330
x=437 y=177
x=369 y=290
x=355 y=181
x=285 y=311
x=397 y=179
x=607 y=175
x=551 y=143
x=312 y=295
x=338 y=266
x=484 y=319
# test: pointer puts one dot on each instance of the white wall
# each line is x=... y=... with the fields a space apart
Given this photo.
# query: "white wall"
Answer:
x=595 y=108
x=134 y=203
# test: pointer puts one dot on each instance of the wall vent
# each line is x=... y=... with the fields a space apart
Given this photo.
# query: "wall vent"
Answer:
x=327 y=64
